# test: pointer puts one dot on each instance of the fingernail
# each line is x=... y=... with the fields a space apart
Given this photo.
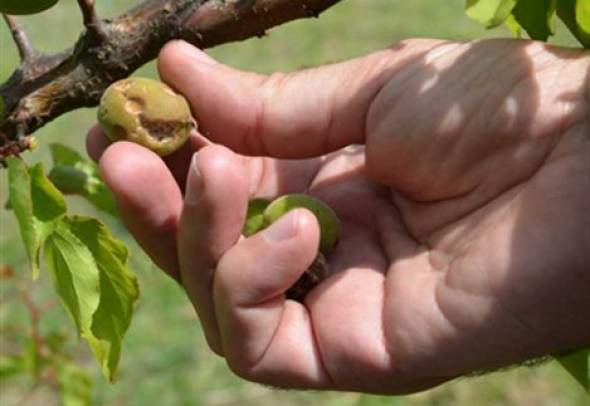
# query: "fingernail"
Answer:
x=195 y=53
x=194 y=183
x=283 y=229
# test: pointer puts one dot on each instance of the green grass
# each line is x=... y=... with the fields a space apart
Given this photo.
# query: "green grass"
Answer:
x=165 y=359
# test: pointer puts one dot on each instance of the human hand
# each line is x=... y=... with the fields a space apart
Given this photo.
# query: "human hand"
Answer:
x=465 y=215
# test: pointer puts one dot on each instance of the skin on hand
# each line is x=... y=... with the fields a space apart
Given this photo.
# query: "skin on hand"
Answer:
x=464 y=211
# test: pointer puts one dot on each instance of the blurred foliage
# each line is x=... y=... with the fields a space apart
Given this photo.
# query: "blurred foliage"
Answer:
x=166 y=360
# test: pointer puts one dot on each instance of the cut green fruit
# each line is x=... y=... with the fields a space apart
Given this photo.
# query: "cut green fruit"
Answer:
x=146 y=112
x=329 y=223
x=255 y=216
x=23 y=7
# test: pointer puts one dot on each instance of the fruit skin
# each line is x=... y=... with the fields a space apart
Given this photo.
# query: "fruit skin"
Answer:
x=69 y=180
x=329 y=223
x=146 y=112
x=262 y=213
x=23 y=7
x=255 y=216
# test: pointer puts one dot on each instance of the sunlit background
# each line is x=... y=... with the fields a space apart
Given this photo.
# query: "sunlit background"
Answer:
x=165 y=359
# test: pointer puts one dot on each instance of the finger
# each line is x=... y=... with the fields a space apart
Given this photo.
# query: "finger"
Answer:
x=270 y=178
x=179 y=162
x=148 y=198
x=265 y=337
x=301 y=114
x=96 y=143
x=212 y=219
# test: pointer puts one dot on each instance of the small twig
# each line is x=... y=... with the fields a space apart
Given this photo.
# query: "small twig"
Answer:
x=25 y=47
x=93 y=25
x=15 y=147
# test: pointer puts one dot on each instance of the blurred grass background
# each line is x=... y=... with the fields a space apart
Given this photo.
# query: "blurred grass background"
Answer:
x=165 y=359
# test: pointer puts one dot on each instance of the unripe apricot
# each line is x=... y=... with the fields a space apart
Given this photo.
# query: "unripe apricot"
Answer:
x=327 y=219
x=146 y=112
x=262 y=213
x=255 y=216
x=68 y=179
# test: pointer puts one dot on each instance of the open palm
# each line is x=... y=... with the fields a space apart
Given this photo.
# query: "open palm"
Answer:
x=465 y=214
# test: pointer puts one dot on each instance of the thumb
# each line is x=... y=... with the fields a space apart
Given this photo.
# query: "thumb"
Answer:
x=295 y=115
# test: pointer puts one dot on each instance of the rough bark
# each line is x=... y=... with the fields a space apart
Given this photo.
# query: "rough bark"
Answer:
x=47 y=86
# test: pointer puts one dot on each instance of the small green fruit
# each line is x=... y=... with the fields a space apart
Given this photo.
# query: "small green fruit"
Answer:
x=68 y=179
x=146 y=112
x=22 y=7
x=255 y=216
x=329 y=223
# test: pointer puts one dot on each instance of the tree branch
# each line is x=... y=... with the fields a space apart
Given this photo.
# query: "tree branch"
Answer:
x=25 y=48
x=91 y=21
x=52 y=85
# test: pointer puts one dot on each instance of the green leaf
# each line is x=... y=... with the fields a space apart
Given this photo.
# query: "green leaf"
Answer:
x=491 y=13
x=49 y=204
x=37 y=204
x=75 y=386
x=577 y=364
x=91 y=275
x=64 y=155
x=75 y=275
x=537 y=17
x=119 y=291
x=513 y=26
x=19 y=183
x=74 y=174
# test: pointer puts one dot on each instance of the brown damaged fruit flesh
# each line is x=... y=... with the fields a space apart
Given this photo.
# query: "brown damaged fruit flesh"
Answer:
x=146 y=112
